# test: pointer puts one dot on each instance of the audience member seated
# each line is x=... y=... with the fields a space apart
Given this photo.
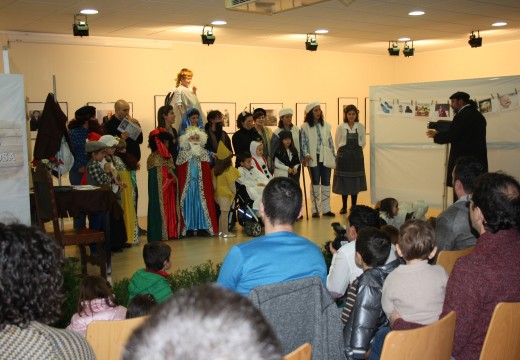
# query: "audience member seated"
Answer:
x=363 y=314
x=153 y=279
x=96 y=301
x=343 y=268
x=415 y=290
x=453 y=229
x=280 y=255
x=252 y=178
x=141 y=305
x=31 y=297
x=205 y=322
x=489 y=275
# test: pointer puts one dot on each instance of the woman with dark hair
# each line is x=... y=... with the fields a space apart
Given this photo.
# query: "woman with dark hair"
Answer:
x=190 y=118
x=166 y=119
x=245 y=134
x=163 y=221
x=316 y=139
x=349 y=176
x=32 y=296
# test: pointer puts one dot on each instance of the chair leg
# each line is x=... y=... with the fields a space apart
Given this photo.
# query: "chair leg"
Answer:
x=102 y=260
x=83 y=258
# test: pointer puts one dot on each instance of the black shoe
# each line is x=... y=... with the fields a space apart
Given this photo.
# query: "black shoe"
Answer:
x=329 y=214
x=203 y=233
x=142 y=232
x=189 y=233
x=118 y=250
x=343 y=210
x=127 y=245
x=315 y=215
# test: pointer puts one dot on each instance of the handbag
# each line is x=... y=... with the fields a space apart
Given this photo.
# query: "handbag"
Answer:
x=329 y=160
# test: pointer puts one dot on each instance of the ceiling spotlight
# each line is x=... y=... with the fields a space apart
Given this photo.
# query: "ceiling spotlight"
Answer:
x=321 y=31
x=207 y=35
x=474 y=40
x=393 y=48
x=407 y=50
x=219 y=22
x=80 y=26
x=416 y=13
x=89 y=12
x=499 y=23
x=311 y=44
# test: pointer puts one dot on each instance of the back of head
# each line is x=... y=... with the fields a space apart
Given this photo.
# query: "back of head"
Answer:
x=155 y=254
x=416 y=240
x=282 y=201
x=205 y=322
x=467 y=169
x=392 y=232
x=362 y=216
x=374 y=246
x=31 y=276
x=140 y=305
x=94 y=287
x=497 y=195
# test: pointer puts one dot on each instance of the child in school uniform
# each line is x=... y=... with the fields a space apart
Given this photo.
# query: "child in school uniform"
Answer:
x=225 y=176
x=286 y=160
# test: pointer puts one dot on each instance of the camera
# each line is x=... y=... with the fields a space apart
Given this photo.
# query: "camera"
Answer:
x=340 y=238
x=439 y=125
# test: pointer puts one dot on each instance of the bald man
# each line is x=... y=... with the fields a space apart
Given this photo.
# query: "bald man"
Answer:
x=121 y=112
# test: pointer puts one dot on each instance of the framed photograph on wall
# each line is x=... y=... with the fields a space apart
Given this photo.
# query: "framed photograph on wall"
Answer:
x=105 y=110
x=271 y=109
x=35 y=110
x=158 y=102
x=343 y=102
x=228 y=109
x=300 y=112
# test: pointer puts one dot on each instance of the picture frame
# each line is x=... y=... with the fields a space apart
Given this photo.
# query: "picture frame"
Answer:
x=158 y=102
x=229 y=111
x=37 y=106
x=300 y=112
x=343 y=102
x=271 y=109
x=104 y=110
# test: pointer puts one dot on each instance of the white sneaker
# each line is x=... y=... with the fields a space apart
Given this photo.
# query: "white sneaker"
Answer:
x=230 y=235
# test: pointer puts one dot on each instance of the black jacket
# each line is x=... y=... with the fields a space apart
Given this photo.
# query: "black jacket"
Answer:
x=132 y=146
x=467 y=136
x=367 y=315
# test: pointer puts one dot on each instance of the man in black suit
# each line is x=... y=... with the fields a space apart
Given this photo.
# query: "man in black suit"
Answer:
x=122 y=112
x=466 y=134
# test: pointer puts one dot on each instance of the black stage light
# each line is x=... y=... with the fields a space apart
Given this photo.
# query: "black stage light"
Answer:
x=80 y=27
x=393 y=49
x=311 y=44
x=407 y=50
x=207 y=36
x=474 y=40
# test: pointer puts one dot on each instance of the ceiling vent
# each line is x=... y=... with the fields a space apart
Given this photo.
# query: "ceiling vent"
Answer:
x=268 y=7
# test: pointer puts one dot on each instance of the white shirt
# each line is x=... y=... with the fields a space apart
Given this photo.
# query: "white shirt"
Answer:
x=341 y=134
x=343 y=269
x=250 y=179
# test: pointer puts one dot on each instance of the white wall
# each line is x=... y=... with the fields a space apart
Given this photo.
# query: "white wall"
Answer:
x=237 y=74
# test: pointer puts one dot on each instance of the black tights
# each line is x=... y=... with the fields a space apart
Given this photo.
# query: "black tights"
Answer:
x=344 y=199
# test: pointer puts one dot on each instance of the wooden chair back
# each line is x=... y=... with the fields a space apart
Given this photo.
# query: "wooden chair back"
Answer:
x=448 y=258
x=503 y=336
x=304 y=352
x=108 y=338
x=431 y=342
x=46 y=210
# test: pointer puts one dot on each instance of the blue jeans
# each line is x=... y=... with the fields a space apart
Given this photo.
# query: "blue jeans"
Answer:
x=376 y=346
x=322 y=172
